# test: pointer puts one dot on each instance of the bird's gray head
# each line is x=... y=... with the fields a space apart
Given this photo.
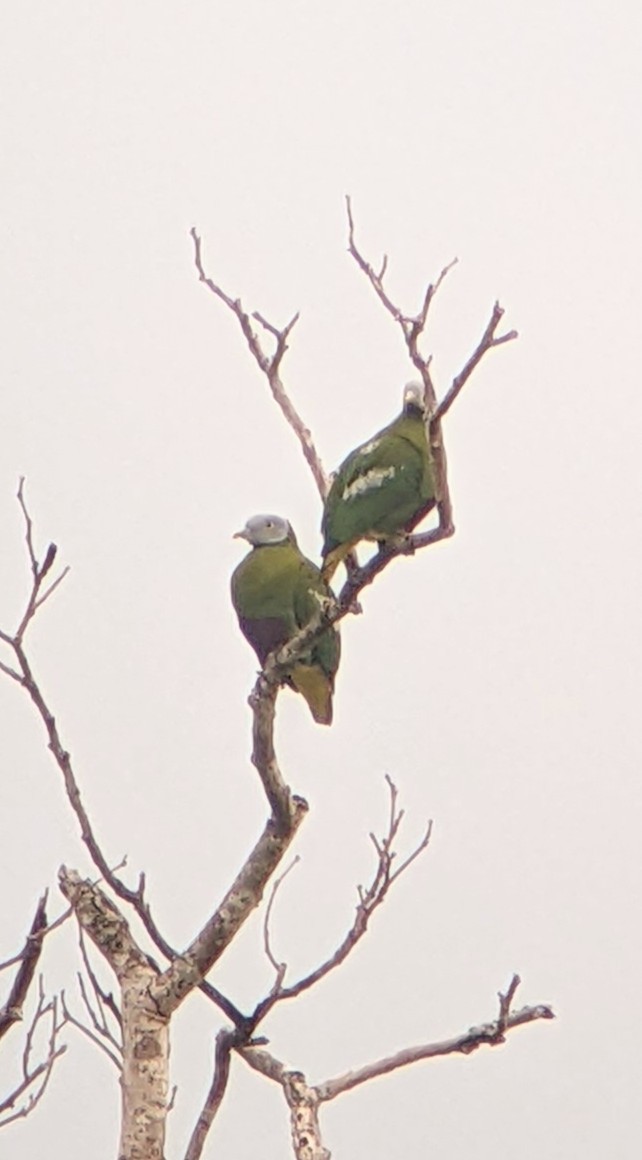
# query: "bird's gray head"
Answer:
x=265 y=529
x=413 y=397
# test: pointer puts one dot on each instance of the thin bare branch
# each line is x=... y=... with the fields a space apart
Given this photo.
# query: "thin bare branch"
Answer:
x=268 y=364
x=11 y=1012
x=491 y=1034
x=225 y=1041
x=8 y=670
x=98 y=1040
x=370 y=899
x=376 y=280
x=52 y=587
x=41 y=1073
x=39 y=935
x=412 y=326
x=103 y=998
x=278 y=967
x=487 y=341
x=505 y=1003
x=38 y=572
x=28 y=528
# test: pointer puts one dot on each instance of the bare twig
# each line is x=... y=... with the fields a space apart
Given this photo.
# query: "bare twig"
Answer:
x=11 y=1011
x=413 y=326
x=103 y=998
x=487 y=341
x=268 y=364
x=505 y=1003
x=103 y=1035
x=224 y=1043
x=41 y=1073
x=8 y=670
x=39 y=936
x=38 y=571
x=491 y=1034
x=98 y=1040
x=278 y=967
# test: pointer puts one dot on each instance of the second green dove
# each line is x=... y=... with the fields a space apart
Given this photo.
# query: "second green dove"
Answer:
x=383 y=487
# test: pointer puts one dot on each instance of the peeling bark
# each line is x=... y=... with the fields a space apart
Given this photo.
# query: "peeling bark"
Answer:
x=145 y=1074
x=303 y=1102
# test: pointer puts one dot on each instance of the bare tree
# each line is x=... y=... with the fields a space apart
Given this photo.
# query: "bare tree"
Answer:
x=133 y=1027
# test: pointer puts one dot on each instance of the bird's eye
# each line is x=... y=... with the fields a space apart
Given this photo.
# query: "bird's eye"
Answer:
x=269 y=524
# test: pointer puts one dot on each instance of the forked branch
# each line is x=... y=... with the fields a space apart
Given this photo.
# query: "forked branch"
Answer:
x=386 y=872
x=269 y=364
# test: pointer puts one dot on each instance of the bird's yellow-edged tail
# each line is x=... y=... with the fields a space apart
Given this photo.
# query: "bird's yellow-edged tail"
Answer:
x=315 y=685
x=335 y=557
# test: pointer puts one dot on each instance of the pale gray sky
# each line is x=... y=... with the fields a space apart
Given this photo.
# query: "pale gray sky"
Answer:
x=496 y=677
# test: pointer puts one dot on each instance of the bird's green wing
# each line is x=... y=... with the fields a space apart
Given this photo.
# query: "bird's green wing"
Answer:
x=310 y=592
x=378 y=490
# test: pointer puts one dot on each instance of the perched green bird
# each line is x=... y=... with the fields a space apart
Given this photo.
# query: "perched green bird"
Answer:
x=383 y=487
x=276 y=591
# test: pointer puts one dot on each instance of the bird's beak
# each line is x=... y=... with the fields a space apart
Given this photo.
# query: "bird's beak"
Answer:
x=242 y=535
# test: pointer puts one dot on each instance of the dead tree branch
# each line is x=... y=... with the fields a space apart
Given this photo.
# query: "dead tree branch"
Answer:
x=103 y=998
x=487 y=342
x=370 y=899
x=97 y=1039
x=304 y=1100
x=279 y=968
x=269 y=365
x=25 y=677
x=491 y=1034
x=35 y=1077
x=11 y=1011
x=225 y=1041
